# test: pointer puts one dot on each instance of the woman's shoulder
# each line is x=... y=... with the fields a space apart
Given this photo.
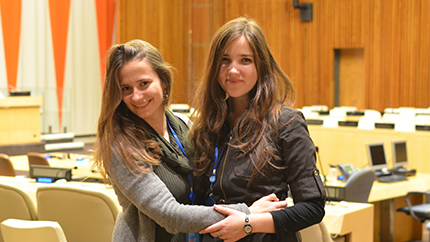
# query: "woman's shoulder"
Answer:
x=288 y=114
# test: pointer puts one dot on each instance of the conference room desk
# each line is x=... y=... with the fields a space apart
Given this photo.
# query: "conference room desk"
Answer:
x=387 y=198
x=352 y=220
x=347 y=145
x=29 y=186
x=15 y=113
x=79 y=163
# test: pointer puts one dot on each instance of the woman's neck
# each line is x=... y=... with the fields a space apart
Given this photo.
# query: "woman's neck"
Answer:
x=159 y=124
x=237 y=107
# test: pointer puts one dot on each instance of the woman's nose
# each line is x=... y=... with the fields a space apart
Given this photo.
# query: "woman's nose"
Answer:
x=233 y=69
x=137 y=94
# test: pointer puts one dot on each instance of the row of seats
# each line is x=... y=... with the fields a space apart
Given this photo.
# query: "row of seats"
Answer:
x=62 y=212
x=69 y=214
x=32 y=230
x=402 y=119
x=83 y=214
x=7 y=168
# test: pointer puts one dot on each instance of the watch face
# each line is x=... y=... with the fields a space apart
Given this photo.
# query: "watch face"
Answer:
x=247 y=228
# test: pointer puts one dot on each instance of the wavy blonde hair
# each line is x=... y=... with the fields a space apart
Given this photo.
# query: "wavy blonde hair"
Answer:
x=118 y=129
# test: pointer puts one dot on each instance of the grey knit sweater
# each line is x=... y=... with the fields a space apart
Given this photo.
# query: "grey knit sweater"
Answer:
x=146 y=201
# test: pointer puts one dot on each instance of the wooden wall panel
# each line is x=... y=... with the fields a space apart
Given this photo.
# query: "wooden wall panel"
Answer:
x=202 y=27
x=423 y=77
x=394 y=34
x=163 y=23
x=351 y=78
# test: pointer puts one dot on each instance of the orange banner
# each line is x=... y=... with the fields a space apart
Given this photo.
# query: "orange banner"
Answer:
x=11 y=24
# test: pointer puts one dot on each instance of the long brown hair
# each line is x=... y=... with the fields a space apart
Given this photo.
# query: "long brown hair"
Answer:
x=255 y=129
x=118 y=129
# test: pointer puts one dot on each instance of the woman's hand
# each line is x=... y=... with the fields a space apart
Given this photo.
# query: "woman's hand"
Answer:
x=267 y=204
x=228 y=229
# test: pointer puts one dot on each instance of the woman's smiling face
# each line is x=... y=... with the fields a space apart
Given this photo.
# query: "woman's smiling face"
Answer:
x=142 y=90
x=238 y=73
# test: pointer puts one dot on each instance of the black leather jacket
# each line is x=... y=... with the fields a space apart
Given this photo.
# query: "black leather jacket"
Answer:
x=298 y=174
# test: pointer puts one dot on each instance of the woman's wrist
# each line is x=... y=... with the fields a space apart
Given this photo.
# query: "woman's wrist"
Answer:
x=261 y=223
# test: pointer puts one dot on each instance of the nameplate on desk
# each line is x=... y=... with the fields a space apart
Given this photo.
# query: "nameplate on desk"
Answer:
x=348 y=123
x=422 y=127
x=314 y=121
x=384 y=125
x=49 y=174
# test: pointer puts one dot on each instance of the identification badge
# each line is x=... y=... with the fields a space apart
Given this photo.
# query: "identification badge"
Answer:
x=194 y=237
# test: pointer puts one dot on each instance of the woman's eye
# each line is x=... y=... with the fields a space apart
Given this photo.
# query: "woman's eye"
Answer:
x=225 y=60
x=247 y=60
x=124 y=89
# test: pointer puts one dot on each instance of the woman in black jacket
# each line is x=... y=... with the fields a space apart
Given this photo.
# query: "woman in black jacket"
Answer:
x=249 y=142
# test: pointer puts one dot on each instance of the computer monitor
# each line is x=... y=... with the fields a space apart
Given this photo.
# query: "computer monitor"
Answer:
x=376 y=155
x=400 y=154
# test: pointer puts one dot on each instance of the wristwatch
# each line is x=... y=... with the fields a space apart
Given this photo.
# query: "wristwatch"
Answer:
x=247 y=228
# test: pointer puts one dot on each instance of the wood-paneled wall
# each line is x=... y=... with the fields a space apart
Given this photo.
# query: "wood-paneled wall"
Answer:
x=394 y=35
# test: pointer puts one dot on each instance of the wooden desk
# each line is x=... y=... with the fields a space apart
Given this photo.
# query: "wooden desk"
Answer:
x=30 y=186
x=344 y=145
x=20 y=120
x=386 y=198
x=354 y=221
x=385 y=191
x=79 y=168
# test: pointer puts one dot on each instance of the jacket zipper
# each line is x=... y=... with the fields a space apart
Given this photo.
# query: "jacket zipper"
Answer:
x=222 y=173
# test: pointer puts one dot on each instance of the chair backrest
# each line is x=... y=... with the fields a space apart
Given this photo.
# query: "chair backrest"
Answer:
x=14 y=230
x=366 y=123
x=15 y=203
x=316 y=233
x=358 y=185
x=84 y=214
x=6 y=166
x=332 y=121
x=370 y=113
x=37 y=159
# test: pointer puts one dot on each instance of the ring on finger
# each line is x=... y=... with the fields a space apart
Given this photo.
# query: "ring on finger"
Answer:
x=218 y=234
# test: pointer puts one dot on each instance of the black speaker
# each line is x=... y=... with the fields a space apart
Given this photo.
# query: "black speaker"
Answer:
x=49 y=174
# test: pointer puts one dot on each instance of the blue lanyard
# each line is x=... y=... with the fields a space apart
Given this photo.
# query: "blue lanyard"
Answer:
x=210 y=200
x=218 y=155
x=190 y=178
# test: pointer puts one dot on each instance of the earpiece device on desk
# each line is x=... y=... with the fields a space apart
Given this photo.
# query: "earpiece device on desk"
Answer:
x=61 y=180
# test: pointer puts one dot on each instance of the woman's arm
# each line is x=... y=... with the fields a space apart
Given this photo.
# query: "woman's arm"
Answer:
x=232 y=227
x=303 y=177
x=298 y=217
x=150 y=195
x=288 y=221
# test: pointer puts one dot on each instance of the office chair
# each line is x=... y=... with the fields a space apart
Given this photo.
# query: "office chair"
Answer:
x=37 y=159
x=32 y=230
x=358 y=185
x=420 y=212
x=15 y=203
x=317 y=233
x=6 y=166
x=83 y=213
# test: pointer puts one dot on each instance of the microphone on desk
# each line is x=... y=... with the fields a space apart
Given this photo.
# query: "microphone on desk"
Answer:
x=319 y=159
x=322 y=171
